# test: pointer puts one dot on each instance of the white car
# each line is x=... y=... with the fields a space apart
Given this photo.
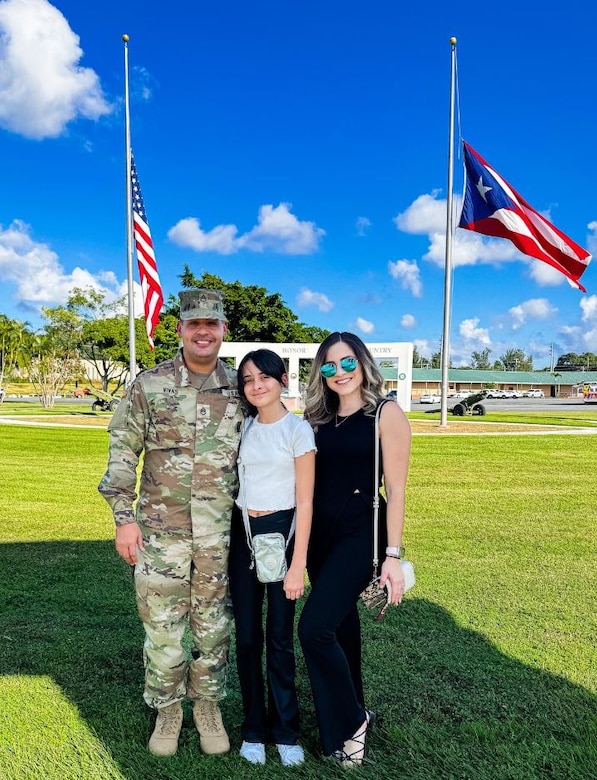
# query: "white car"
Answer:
x=533 y=393
x=495 y=393
x=430 y=398
x=462 y=393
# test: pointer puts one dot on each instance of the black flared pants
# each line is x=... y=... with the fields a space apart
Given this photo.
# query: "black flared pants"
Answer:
x=279 y=720
x=330 y=633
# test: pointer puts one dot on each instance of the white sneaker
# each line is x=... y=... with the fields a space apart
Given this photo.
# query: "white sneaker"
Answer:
x=291 y=755
x=253 y=752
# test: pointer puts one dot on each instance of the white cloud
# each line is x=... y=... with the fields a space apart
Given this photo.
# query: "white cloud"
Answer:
x=424 y=348
x=42 y=86
x=277 y=230
x=310 y=298
x=39 y=277
x=408 y=321
x=588 y=304
x=142 y=83
x=592 y=238
x=362 y=224
x=364 y=325
x=408 y=275
x=221 y=239
x=472 y=334
x=544 y=274
x=533 y=309
x=427 y=216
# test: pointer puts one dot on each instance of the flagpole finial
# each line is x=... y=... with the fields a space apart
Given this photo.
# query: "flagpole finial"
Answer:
x=125 y=38
x=453 y=41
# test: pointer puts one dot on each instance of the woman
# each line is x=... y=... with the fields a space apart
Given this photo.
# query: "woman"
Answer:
x=276 y=471
x=344 y=391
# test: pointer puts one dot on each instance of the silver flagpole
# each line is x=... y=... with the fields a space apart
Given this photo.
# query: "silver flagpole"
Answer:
x=129 y=217
x=445 y=350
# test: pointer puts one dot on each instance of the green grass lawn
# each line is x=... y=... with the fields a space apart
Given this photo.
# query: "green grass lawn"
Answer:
x=486 y=672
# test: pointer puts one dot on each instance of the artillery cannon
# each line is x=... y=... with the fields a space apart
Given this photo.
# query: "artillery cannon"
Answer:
x=470 y=405
x=103 y=401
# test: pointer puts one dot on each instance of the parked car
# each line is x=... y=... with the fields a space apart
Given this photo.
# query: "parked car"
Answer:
x=393 y=394
x=512 y=394
x=462 y=393
x=534 y=392
x=430 y=398
x=495 y=393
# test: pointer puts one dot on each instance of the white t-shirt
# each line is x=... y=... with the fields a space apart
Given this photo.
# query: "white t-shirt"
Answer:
x=266 y=457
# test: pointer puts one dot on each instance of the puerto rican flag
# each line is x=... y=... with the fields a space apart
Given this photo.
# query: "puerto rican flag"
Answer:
x=494 y=208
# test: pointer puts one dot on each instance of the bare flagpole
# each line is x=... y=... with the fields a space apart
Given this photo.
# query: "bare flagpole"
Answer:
x=129 y=218
x=445 y=350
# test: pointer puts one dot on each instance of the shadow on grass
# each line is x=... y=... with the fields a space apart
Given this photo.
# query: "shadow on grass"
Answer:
x=453 y=705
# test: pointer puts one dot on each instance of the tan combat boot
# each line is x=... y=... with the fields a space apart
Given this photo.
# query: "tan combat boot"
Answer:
x=208 y=720
x=164 y=740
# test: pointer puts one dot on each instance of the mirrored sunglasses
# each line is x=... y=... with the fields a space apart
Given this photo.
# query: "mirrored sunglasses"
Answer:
x=348 y=364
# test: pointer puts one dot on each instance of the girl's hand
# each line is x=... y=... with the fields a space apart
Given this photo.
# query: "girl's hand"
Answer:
x=294 y=582
x=392 y=570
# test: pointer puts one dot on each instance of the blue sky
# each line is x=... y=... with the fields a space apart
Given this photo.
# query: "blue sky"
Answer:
x=302 y=146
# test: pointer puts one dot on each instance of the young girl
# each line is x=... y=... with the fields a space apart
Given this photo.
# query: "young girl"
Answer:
x=276 y=470
x=345 y=389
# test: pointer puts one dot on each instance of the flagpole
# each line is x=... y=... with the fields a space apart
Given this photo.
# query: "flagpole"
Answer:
x=129 y=217
x=445 y=350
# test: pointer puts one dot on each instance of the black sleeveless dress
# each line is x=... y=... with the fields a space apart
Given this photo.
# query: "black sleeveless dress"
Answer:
x=344 y=487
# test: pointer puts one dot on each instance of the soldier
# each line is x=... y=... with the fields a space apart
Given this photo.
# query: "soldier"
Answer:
x=184 y=416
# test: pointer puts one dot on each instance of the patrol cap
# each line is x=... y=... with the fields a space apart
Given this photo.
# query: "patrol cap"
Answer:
x=201 y=305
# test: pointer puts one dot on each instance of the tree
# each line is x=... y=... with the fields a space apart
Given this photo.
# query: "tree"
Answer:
x=104 y=336
x=480 y=360
x=516 y=360
x=571 y=361
x=13 y=340
x=55 y=354
x=436 y=360
x=105 y=344
x=253 y=313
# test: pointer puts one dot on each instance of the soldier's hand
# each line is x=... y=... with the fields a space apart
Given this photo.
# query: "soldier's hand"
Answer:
x=128 y=540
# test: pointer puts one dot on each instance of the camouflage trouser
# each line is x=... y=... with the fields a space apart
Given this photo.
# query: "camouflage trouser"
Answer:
x=180 y=582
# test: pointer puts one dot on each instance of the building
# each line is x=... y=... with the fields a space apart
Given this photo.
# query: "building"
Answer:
x=567 y=384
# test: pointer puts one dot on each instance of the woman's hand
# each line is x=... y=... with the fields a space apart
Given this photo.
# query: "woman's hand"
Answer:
x=391 y=571
x=294 y=582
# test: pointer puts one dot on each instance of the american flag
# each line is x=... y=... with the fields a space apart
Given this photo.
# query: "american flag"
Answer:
x=494 y=208
x=151 y=289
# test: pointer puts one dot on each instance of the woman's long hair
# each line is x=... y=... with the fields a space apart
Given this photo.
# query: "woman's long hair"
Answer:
x=321 y=403
x=267 y=362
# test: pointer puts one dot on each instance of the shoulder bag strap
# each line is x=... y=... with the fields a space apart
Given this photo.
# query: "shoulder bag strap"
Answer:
x=377 y=447
x=245 y=513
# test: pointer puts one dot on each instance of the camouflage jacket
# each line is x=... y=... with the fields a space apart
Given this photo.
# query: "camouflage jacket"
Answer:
x=189 y=436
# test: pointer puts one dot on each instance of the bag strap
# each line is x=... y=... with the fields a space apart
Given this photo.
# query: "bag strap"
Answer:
x=376 y=458
x=246 y=522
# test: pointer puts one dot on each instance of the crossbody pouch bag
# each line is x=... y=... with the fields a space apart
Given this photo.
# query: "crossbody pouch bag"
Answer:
x=268 y=550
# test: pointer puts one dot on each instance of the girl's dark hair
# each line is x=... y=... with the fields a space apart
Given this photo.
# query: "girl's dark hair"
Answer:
x=321 y=403
x=267 y=362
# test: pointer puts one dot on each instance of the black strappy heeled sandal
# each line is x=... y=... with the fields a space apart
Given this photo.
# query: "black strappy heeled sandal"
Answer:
x=356 y=757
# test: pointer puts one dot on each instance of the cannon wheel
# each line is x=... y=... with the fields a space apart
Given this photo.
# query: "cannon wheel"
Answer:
x=458 y=410
x=479 y=409
x=113 y=405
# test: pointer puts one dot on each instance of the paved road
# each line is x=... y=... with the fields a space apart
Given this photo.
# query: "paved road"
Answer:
x=518 y=405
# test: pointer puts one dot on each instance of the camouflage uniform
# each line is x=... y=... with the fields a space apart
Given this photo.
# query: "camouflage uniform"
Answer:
x=188 y=431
